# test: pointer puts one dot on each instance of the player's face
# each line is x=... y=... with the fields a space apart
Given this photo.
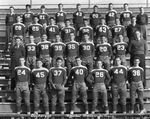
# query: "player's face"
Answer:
x=18 y=19
x=36 y=19
x=133 y=20
x=138 y=35
x=86 y=23
x=52 y=21
x=126 y=7
x=28 y=8
x=39 y=64
x=72 y=36
x=103 y=39
x=22 y=61
x=60 y=7
x=142 y=10
x=136 y=62
x=78 y=8
x=67 y=23
x=57 y=38
x=117 y=21
x=102 y=21
x=59 y=63
x=78 y=61
x=95 y=9
x=117 y=61
x=110 y=7
x=44 y=37
x=99 y=64
x=31 y=39
x=86 y=37
x=120 y=37
x=42 y=9
x=17 y=41
x=11 y=10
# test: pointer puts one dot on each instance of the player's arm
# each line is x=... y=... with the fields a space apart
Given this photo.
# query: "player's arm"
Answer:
x=38 y=50
x=23 y=51
x=92 y=35
x=146 y=19
x=110 y=51
x=89 y=78
x=93 y=50
x=129 y=47
x=121 y=18
x=64 y=78
x=6 y=19
x=145 y=47
x=108 y=79
x=142 y=75
x=51 y=80
x=129 y=76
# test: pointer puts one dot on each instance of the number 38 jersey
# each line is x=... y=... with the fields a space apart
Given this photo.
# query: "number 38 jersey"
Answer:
x=118 y=74
x=30 y=49
x=22 y=74
x=40 y=75
x=78 y=74
x=57 y=75
x=135 y=74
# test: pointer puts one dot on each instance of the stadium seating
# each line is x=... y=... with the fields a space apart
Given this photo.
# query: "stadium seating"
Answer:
x=7 y=102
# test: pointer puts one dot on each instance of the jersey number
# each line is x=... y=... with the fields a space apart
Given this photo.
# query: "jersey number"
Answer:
x=117 y=71
x=31 y=48
x=136 y=73
x=40 y=74
x=21 y=72
x=99 y=74
x=79 y=72
x=57 y=72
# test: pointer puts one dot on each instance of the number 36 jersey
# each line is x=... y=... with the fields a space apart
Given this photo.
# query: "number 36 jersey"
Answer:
x=39 y=75
x=118 y=74
x=135 y=74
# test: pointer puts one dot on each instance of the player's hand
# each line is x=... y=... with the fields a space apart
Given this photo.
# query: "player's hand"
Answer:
x=53 y=86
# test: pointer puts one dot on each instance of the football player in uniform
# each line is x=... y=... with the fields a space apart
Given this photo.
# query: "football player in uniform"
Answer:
x=43 y=51
x=31 y=53
x=22 y=77
x=78 y=77
x=136 y=78
x=99 y=77
x=39 y=80
x=118 y=74
x=58 y=79
x=52 y=30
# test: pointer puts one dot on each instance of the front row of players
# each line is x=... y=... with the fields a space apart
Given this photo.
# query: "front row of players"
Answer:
x=42 y=80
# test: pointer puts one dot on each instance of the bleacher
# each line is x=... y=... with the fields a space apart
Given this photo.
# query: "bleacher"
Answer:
x=7 y=96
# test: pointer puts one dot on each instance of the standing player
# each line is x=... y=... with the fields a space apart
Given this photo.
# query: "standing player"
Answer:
x=9 y=21
x=78 y=17
x=102 y=30
x=126 y=15
x=39 y=80
x=85 y=29
x=120 y=49
x=86 y=51
x=72 y=51
x=52 y=30
x=22 y=77
x=27 y=17
x=60 y=16
x=118 y=74
x=58 y=79
x=31 y=53
x=104 y=52
x=57 y=50
x=136 y=78
x=117 y=29
x=36 y=30
x=78 y=77
x=65 y=32
x=43 y=51
x=100 y=78
x=142 y=20
x=43 y=17
x=111 y=15
x=95 y=18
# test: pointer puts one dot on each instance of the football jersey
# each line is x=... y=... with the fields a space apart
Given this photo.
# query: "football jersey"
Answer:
x=102 y=30
x=51 y=31
x=136 y=74
x=95 y=19
x=78 y=74
x=72 y=49
x=58 y=49
x=18 y=29
x=120 y=48
x=60 y=16
x=103 y=50
x=10 y=19
x=111 y=15
x=100 y=76
x=22 y=74
x=78 y=17
x=118 y=29
x=31 y=49
x=125 y=16
x=142 y=19
x=118 y=74
x=39 y=75
x=27 y=17
x=86 y=49
x=57 y=75
x=43 y=48
x=43 y=18
x=36 y=30
x=65 y=33
x=85 y=29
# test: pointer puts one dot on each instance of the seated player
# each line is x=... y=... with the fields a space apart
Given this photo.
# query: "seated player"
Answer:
x=99 y=77
x=136 y=78
x=120 y=49
x=22 y=77
x=104 y=52
x=78 y=77
x=51 y=30
x=43 y=51
x=31 y=53
x=57 y=79
x=118 y=75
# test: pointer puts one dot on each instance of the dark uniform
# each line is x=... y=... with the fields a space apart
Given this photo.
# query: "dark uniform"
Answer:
x=43 y=19
x=125 y=18
x=60 y=17
x=110 y=18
